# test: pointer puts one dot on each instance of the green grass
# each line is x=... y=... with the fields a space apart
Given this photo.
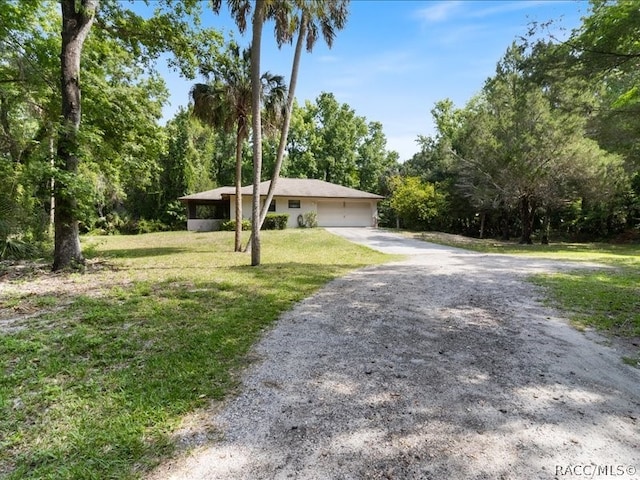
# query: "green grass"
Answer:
x=606 y=299
x=95 y=385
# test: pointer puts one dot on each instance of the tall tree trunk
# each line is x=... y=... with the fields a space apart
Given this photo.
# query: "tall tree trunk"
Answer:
x=239 y=138
x=546 y=227
x=52 y=200
x=76 y=23
x=483 y=217
x=504 y=223
x=284 y=133
x=256 y=124
x=526 y=217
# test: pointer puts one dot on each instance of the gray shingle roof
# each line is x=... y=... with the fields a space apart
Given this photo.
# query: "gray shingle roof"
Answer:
x=290 y=187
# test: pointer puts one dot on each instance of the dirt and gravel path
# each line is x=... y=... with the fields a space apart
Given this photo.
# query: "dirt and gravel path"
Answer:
x=445 y=365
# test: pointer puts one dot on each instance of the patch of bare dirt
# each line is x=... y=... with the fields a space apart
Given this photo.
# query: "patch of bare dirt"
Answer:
x=441 y=237
x=29 y=290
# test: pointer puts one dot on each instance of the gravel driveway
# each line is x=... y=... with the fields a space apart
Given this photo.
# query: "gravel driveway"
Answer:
x=445 y=365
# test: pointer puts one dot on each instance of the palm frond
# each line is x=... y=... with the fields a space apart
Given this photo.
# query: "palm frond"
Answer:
x=211 y=105
x=323 y=16
x=240 y=10
x=14 y=248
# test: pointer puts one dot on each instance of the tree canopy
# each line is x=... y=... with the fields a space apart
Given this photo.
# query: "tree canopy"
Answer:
x=118 y=145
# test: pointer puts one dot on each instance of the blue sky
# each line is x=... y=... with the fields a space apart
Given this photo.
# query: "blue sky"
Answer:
x=396 y=58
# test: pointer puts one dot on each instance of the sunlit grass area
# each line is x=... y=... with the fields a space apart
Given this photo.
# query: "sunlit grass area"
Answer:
x=607 y=299
x=106 y=363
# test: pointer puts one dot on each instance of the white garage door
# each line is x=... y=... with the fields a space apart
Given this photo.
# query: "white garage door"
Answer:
x=344 y=214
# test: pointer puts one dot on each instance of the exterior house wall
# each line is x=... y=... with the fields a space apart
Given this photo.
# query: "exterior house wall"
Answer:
x=331 y=212
x=335 y=205
x=203 y=225
x=282 y=206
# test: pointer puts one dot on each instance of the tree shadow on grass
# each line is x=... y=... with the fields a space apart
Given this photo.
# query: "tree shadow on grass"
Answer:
x=295 y=272
x=139 y=252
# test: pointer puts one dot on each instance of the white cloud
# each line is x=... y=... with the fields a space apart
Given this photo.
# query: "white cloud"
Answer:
x=439 y=11
x=388 y=62
x=465 y=34
x=372 y=69
x=506 y=7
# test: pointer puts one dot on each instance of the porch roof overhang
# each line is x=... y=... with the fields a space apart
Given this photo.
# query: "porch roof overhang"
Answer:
x=209 y=196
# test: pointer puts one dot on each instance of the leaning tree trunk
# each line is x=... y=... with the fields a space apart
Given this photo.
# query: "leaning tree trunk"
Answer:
x=239 y=139
x=76 y=23
x=256 y=124
x=284 y=133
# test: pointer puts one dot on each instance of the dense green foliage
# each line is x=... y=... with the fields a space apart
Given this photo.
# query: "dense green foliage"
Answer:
x=415 y=202
x=121 y=142
x=230 y=225
x=309 y=219
x=328 y=141
x=275 y=221
x=132 y=169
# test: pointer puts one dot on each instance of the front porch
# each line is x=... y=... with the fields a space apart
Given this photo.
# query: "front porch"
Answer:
x=207 y=215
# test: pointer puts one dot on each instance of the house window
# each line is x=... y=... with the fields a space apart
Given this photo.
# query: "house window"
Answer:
x=272 y=206
x=294 y=203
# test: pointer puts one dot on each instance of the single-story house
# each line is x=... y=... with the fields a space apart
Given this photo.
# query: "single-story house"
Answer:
x=335 y=205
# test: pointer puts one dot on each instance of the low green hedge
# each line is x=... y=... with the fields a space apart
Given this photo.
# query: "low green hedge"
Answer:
x=230 y=225
x=275 y=221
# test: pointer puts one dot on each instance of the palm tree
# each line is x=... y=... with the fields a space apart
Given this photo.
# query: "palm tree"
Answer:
x=262 y=10
x=314 y=15
x=329 y=15
x=226 y=103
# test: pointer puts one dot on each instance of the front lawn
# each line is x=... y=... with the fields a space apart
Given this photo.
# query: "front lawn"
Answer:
x=98 y=369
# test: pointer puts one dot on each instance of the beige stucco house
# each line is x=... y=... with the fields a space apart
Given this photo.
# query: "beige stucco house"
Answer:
x=335 y=205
